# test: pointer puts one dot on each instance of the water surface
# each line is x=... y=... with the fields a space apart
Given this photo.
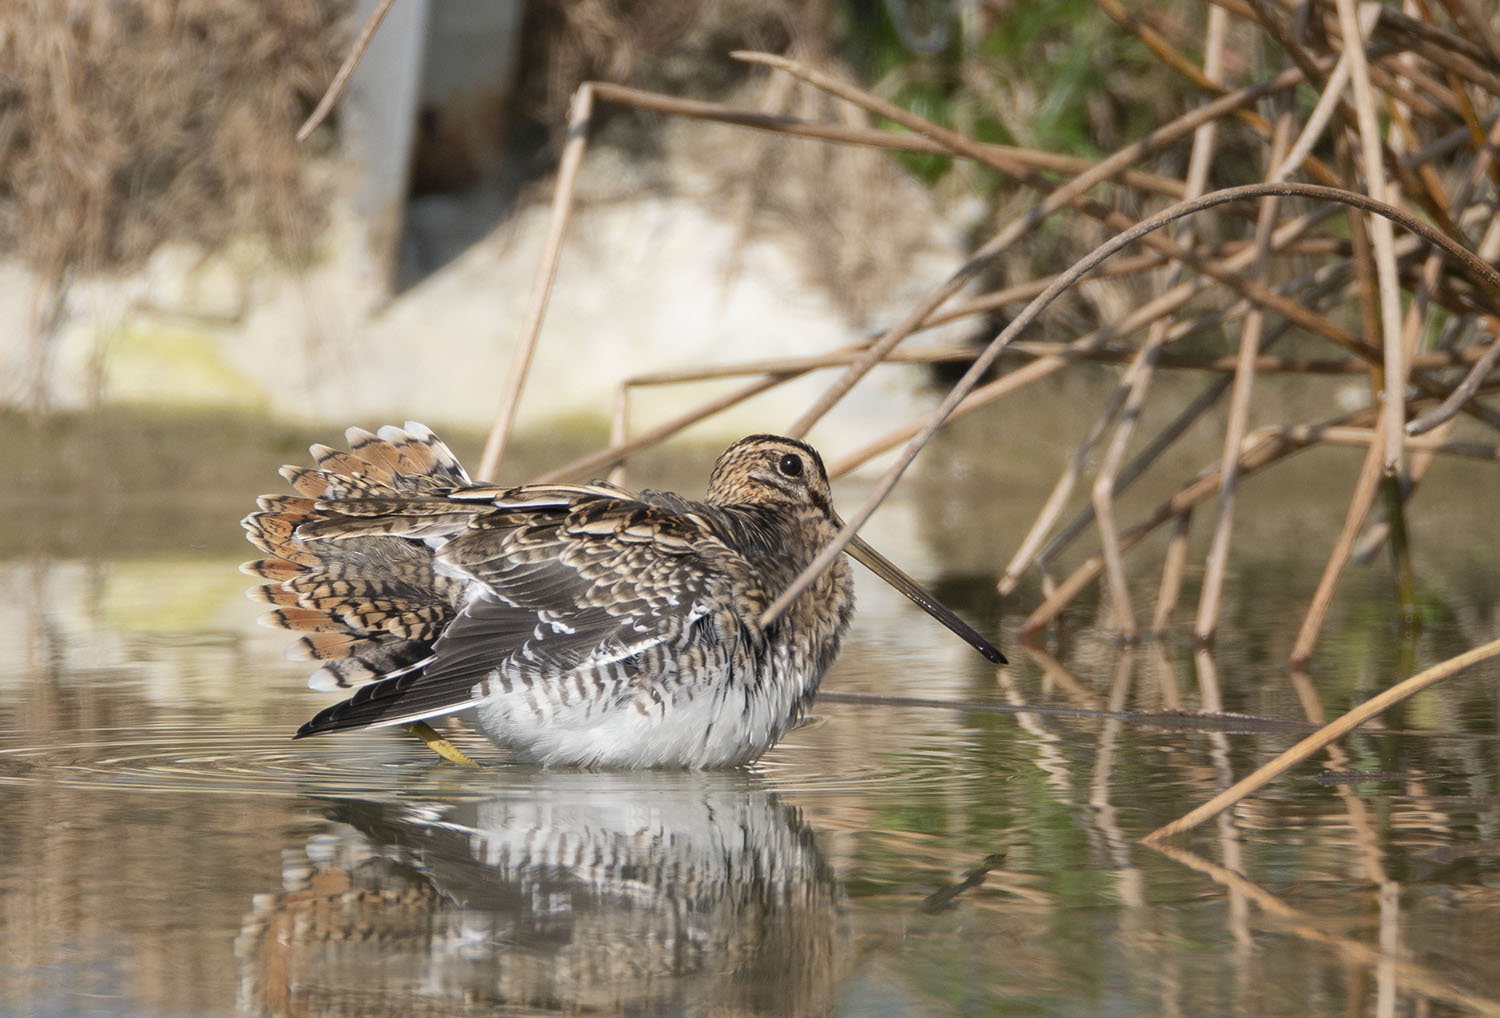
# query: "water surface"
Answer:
x=168 y=850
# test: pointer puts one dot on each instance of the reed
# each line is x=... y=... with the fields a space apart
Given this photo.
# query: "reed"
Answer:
x=1368 y=246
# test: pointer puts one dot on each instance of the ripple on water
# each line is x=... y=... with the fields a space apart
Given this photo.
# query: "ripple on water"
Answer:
x=191 y=755
x=240 y=759
x=818 y=759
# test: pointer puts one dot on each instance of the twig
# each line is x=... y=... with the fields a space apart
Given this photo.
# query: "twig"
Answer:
x=1216 y=564
x=1359 y=505
x=1062 y=196
x=615 y=454
x=1355 y=34
x=976 y=372
x=1330 y=732
x=341 y=79
x=797 y=127
x=541 y=287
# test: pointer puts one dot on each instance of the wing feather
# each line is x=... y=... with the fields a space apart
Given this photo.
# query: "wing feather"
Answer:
x=558 y=591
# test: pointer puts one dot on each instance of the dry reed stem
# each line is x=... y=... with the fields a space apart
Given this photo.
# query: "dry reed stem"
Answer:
x=796 y=127
x=619 y=431
x=541 y=287
x=1138 y=378
x=1216 y=563
x=1261 y=450
x=1430 y=444
x=346 y=69
x=1173 y=567
x=1314 y=929
x=1484 y=164
x=1468 y=11
x=811 y=362
x=586 y=465
x=1463 y=392
x=1265 y=363
x=1330 y=732
x=1355 y=31
x=1068 y=194
x=1161 y=306
x=1359 y=505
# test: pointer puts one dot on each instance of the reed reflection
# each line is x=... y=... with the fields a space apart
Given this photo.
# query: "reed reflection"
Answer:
x=685 y=893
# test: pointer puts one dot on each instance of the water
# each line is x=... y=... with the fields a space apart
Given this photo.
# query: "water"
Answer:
x=167 y=850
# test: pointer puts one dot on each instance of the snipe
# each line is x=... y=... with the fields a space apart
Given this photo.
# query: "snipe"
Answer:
x=582 y=624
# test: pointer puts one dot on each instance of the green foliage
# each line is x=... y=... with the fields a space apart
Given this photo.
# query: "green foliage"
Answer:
x=1038 y=75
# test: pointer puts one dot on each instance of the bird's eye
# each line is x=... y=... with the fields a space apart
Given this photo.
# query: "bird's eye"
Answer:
x=790 y=465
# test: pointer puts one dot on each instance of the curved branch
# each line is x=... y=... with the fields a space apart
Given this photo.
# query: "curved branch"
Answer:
x=1482 y=273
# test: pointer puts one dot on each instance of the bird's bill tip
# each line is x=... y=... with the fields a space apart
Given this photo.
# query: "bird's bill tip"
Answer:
x=919 y=595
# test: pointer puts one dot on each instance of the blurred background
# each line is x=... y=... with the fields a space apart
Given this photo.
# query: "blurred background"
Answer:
x=169 y=245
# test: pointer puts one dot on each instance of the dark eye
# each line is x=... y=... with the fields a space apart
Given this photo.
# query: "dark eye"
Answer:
x=790 y=465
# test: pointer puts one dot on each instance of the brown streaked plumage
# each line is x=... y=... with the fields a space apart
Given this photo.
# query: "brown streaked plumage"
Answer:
x=582 y=624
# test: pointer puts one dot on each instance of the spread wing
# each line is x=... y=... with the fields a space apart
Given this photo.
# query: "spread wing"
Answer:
x=585 y=595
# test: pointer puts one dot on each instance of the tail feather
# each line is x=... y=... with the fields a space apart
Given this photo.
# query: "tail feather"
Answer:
x=321 y=484
x=272 y=594
x=343 y=464
x=345 y=567
x=278 y=569
x=376 y=452
x=389 y=660
x=321 y=646
x=297 y=617
x=275 y=534
x=418 y=441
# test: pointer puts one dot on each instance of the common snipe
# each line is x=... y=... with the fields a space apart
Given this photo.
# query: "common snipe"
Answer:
x=583 y=624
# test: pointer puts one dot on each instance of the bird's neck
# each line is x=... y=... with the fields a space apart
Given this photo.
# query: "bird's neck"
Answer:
x=777 y=541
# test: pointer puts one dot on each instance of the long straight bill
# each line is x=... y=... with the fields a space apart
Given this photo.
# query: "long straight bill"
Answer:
x=887 y=571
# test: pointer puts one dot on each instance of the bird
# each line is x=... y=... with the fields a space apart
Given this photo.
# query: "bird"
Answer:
x=579 y=625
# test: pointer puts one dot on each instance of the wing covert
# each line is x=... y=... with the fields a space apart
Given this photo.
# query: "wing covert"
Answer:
x=589 y=589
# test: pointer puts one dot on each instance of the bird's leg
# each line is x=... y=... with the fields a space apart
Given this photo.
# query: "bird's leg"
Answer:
x=439 y=745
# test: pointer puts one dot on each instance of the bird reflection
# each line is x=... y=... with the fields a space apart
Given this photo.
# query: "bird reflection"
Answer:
x=641 y=893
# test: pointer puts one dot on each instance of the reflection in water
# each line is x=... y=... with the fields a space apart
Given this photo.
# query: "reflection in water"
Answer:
x=578 y=892
x=152 y=800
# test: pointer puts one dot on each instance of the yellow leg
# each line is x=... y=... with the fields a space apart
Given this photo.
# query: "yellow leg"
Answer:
x=439 y=745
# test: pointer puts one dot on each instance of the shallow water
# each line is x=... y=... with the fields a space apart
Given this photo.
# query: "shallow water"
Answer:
x=169 y=851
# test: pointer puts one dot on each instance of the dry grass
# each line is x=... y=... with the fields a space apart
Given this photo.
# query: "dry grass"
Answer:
x=127 y=124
